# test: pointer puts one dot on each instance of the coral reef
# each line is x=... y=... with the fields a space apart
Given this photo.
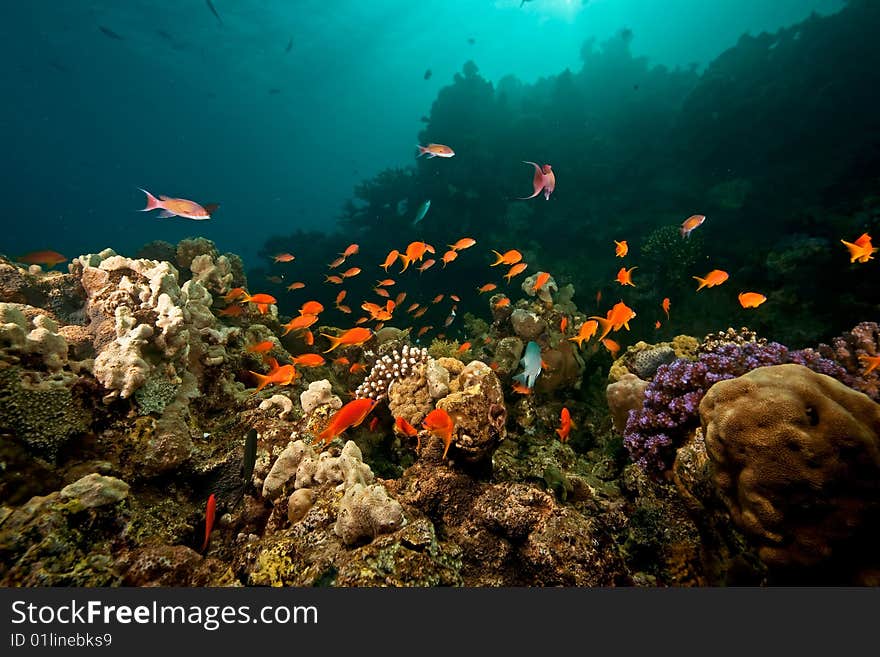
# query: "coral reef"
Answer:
x=845 y=350
x=796 y=457
x=390 y=369
x=672 y=399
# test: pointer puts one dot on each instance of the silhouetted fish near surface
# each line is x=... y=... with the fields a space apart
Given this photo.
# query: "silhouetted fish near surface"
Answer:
x=274 y=91
x=289 y=45
x=110 y=33
x=472 y=40
x=213 y=10
x=428 y=74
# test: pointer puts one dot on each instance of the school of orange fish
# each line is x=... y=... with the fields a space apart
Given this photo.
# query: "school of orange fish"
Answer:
x=418 y=254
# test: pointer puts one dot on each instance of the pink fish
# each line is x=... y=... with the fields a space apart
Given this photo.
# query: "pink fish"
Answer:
x=177 y=207
x=544 y=181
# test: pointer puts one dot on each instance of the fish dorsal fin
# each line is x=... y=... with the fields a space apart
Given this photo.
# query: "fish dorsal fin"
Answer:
x=165 y=198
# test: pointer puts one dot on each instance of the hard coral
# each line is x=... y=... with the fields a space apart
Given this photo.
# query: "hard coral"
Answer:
x=863 y=340
x=672 y=399
x=796 y=459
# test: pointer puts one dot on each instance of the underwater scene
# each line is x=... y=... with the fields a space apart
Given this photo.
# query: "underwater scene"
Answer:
x=508 y=293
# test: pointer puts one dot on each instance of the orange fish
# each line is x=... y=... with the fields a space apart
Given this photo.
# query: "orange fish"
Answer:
x=713 y=278
x=488 y=287
x=665 y=305
x=261 y=347
x=520 y=388
x=751 y=299
x=503 y=302
x=515 y=270
x=382 y=292
x=234 y=293
x=356 y=367
x=231 y=311
x=343 y=309
x=435 y=150
x=275 y=279
x=374 y=423
x=454 y=297
x=385 y=282
x=351 y=271
x=587 y=331
x=423 y=330
x=309 y=337
x=210 y=510
x=861 y=250
x=350 y=250
x=464 y=347
x=336 y=280
x=399 y=298
x=463 y=243
x=259 y=299
x=507 y=258
x=564 y=424
x=427 y=265
x=415 y=251
x=298 y=285
x=611 y=346
x=301 y=322
x=361 y=320
x=404 y=427
x=175 y=207
x=563 y=324
x=438 y=299
x=439 y=423
x=420 y=312
x=48 y=258
x=350 y=415
x=657 y=324
x=621 y=248
x=311 y=308
x=281 y=376
x=691 y=223
x=309 y=360
x=412 y=307
x=341 y=361
x=353 y=336
x=389 y=259
x=544 y=180
x=284 y=257
x=337 y=262
x=449 y=256
x=542 y=278
x=871 y=362
x=340 y=296
x=615 y=319
x=624 y=276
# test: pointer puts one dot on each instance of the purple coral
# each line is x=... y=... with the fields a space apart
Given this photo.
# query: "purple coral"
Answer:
x=863 y=340
x=672 y=399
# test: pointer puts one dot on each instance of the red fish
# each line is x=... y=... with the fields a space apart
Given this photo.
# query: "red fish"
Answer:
x=309 y=360
x=543 y=181
x=665 y=305
x=175 y=207
x=463 y=347
x=517 y=269
x=261 y=347
x=564 y=424
x=311 y=308
x=282 y=375
x=298 y=285
x=350 y=415
x=463 y=243
x=210 y=510
x=563 y=324
x=259 y=299
x=435 y=150
x=389 y=259
x=404 y=428
x=350 y=250
x=439 y=423
x=284 y=257
x=48 y=258
x=542 y=278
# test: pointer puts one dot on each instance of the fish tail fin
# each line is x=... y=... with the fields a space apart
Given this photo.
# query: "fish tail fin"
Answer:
x=499 y=258
x=422 y=150
x=334 y=342
x=405 y=259
x=702 y=282
x=262 y=380
x=152 y=201
x=606 y=325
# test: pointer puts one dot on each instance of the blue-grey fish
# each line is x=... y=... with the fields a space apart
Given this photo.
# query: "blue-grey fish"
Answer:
x=531 y=362
x=110 y=33
x=423 y=210
x=214 y=11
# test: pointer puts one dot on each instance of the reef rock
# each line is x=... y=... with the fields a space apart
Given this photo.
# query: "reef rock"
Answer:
x=625 y=395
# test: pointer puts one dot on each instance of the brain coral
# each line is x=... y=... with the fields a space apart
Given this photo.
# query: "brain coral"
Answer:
x=796 y=459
